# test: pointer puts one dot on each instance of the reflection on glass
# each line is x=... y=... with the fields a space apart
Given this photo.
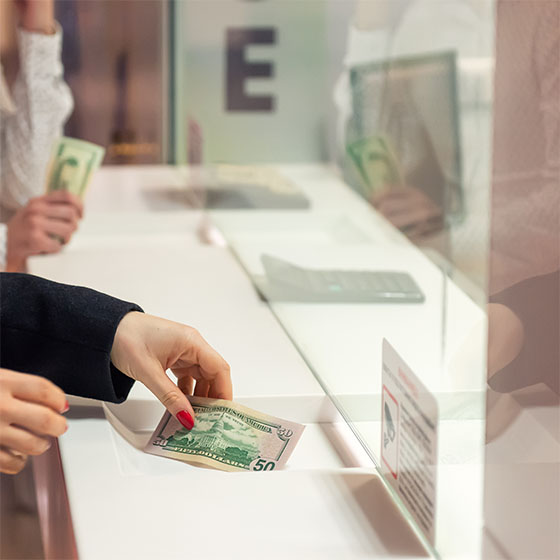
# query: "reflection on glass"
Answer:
x=418 y=84
x=405 y=116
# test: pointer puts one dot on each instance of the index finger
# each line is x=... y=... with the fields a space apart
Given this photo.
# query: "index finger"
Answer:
x=62 y=196
x=36 y=389
x=168 y=393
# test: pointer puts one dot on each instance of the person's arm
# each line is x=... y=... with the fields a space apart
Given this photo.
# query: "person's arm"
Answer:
x=42 y=103
x=63 y=333
x=94 y=345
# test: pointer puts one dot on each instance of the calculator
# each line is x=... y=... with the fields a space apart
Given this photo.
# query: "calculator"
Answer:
x=288 y=282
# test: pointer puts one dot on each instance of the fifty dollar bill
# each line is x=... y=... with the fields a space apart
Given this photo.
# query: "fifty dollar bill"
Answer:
x=227 y=436
x=72 y=165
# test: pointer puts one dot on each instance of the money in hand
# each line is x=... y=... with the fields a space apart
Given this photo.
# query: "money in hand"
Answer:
x=227 y=436
x=376 y=163
x=72 y=165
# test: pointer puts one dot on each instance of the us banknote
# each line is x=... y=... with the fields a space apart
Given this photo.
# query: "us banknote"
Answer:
x=376 y=163
x=72 y=164
x=227 y=436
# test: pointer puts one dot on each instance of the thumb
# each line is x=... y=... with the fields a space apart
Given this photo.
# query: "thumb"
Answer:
x=170 y=396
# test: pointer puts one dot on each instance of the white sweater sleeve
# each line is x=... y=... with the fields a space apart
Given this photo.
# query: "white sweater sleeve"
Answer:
x=42 y=103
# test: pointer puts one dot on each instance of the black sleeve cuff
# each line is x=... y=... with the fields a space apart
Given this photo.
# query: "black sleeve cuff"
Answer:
x=64 y=333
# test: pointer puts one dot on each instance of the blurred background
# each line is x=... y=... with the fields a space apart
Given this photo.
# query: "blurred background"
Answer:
x=267 y=81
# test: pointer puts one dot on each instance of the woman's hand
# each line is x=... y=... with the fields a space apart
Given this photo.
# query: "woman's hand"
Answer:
x=146 y=346
x=30 y=411
x=410 y=210
x=36 y=15
x=43 y=225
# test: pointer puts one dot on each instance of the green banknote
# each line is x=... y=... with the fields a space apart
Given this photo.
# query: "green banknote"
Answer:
x=376 y=163
x=227 y=436
x=72 y=165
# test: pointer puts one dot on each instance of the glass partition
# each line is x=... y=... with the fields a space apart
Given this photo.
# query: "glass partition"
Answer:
x=343 y=149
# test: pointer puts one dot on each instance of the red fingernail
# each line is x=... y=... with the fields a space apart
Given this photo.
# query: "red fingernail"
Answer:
x=66 y=408
x=186 y=419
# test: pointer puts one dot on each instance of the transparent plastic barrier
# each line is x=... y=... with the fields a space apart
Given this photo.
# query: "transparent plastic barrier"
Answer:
x=343 y=151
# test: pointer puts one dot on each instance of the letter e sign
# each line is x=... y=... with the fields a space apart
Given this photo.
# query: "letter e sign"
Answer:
x=239 y=69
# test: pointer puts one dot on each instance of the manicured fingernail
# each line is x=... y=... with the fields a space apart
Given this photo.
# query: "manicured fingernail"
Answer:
x=186 y=419
x=66 y=408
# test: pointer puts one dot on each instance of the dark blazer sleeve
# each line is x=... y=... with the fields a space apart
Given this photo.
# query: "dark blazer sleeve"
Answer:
x=64 y=333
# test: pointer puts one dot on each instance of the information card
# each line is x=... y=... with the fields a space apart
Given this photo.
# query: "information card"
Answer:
x=409 y=439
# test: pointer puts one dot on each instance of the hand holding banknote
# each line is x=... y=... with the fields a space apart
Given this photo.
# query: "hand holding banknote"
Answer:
x=46 y=223
x=207 y=428
x=146 y=346
x=42 y=226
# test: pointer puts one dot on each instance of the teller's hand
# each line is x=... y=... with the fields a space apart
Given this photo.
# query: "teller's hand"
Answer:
x=30 y=411
x=145 y=346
